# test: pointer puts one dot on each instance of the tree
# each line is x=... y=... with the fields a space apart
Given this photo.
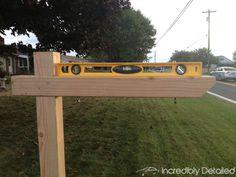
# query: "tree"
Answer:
x=182 y=56
x=60 y=24
x=202 y=55
x=198 y=55
x=130 y=40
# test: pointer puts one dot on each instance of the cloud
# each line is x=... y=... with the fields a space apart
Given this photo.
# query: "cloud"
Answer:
x=32 y=39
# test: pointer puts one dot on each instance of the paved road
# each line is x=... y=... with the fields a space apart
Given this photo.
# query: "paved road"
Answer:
x=225 y=89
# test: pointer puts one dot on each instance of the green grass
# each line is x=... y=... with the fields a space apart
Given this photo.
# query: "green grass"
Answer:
x=114 y=137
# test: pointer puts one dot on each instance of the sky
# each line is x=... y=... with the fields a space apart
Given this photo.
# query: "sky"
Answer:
x=189 y=33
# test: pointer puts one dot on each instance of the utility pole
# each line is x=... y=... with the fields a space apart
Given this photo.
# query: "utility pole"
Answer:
x=155 y=56
x=209 y=37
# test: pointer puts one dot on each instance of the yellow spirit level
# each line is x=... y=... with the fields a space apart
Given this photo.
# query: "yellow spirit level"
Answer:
x=130 y=69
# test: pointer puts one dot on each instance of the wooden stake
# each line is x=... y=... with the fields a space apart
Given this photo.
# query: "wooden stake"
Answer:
x=50 y=121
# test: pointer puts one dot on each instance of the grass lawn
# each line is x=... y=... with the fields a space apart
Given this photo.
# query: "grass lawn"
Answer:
x=115 y=137
x=6 y=91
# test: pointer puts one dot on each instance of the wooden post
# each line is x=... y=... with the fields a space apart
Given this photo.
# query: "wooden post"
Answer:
x=50 y=121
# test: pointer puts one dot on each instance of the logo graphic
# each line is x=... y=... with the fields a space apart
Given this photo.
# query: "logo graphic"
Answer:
x=148 y=170
x=127 y=69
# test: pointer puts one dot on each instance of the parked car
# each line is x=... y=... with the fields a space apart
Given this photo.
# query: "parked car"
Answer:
x=224 y=73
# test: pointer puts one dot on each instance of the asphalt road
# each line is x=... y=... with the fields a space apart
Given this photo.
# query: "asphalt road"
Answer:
x=225 y=89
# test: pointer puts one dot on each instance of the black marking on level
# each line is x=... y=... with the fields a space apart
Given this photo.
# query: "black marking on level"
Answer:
x=127 y=69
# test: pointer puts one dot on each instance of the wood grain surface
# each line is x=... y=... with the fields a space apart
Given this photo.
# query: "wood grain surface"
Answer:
x=112 y=86
x=49 y=121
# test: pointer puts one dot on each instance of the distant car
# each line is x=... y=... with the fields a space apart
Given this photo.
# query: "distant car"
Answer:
x=224 y=73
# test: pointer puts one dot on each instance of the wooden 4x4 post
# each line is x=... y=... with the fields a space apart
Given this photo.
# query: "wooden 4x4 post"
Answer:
x=49 y=89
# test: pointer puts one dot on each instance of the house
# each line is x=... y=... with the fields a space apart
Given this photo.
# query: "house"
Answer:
x=13 y=61
x=18 y=59
x=225 y=61
x=15 y=64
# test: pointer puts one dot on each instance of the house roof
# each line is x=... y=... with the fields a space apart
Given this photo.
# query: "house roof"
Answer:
x=21 y=55
x=223 y=58
x=65 y=59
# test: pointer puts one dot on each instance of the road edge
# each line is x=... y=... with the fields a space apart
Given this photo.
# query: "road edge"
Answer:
x=221 y=97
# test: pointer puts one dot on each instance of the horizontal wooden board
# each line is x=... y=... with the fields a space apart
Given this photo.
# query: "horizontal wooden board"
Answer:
x=112 y=86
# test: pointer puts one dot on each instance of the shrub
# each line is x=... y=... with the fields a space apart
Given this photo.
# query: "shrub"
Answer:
x=2 y=73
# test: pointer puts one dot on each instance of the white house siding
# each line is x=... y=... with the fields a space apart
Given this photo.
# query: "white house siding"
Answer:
x=3 y=63
x=10 y=67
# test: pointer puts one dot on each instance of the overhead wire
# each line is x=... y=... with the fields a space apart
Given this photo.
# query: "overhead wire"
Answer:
x=195 y=42
x=176 y=20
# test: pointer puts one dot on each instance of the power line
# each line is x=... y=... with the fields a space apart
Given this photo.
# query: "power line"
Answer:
x=195 y=42
x=176 y=20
